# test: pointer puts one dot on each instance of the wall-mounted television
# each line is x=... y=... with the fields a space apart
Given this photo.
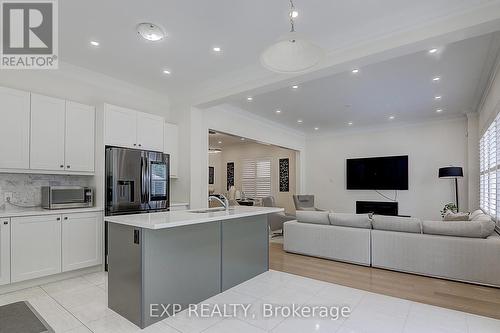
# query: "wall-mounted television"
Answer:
x=377 y=173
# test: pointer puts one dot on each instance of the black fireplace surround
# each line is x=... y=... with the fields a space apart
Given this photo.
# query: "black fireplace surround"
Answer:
x=377 y=207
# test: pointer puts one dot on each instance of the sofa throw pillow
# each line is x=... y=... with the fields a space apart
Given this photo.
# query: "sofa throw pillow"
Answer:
x=451 y=216
x=482 y=217
x=474 y=214
x=471 y=229
x=397 y=223
x=314 y=217
x=351 y=220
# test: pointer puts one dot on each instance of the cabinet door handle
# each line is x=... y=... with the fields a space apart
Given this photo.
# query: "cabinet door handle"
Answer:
x=68 y=166
x=65 y=218
x=58 y=219
x=5 y=222
x=135 y=144
x=61 y=166
x=140 y=145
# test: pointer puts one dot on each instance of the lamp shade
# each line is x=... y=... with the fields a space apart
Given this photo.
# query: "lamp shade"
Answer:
x=451 y=172
x=292 y=54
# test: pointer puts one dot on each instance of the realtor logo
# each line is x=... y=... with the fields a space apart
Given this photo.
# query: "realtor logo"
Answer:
x=29 y=34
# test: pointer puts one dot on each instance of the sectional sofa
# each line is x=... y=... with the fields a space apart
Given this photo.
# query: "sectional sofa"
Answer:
x=467 y=251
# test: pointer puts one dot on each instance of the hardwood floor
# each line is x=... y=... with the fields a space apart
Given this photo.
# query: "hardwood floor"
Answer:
x=484 y=301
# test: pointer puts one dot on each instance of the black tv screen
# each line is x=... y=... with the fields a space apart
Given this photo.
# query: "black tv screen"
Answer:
x=378 y=173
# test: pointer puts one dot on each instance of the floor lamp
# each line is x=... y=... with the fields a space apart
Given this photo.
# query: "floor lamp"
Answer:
x=453 y=173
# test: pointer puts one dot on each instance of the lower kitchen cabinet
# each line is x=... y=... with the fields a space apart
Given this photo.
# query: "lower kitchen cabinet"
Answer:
x=4 y=251
x=35 y=247
x=81 y=240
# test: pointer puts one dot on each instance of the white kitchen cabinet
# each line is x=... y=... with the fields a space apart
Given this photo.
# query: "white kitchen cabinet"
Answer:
x=47 y=133
x=79 y=137
x=35 y=247
x=4 y=251
x=171 y=147
x=14 y=129
x=120 y=126
x=81 y=240
x=132 y=129
x=149 y=131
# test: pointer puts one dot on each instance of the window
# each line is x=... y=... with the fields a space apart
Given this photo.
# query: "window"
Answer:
x=489 y=167
x=256 y=178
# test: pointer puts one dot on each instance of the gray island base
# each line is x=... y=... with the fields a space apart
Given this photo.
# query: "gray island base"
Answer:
x=152 y=270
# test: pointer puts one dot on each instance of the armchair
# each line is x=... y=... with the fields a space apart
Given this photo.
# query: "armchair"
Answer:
x=276 y=220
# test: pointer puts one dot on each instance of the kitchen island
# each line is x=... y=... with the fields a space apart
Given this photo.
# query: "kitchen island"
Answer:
x=173 y=259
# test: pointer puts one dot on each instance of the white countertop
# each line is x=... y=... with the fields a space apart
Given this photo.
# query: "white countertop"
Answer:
x=187 y=217
x=19 y=212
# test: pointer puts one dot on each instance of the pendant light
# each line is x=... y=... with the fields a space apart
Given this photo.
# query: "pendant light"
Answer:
x=292 y=53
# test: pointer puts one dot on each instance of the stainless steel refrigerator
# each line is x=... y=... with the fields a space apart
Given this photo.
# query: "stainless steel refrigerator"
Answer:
x=137 y=181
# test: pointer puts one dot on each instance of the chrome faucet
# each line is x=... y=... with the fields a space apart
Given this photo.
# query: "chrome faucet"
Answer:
x=223 y=201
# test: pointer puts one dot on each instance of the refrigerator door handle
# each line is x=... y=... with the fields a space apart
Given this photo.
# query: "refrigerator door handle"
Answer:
x=143 y=179
x=148 y=181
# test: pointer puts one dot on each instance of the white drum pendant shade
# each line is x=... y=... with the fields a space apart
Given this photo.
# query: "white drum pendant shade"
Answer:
x=292 y=54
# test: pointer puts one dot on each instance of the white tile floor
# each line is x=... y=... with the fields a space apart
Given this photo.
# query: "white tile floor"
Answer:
x=78 y=305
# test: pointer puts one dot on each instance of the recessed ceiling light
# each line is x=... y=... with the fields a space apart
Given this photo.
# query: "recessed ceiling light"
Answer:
x=300 y=121
x=439 y=110
x=391 y=118
x=436 y=79
x=151 y=32
x=216 y=49
x=166 y=71
x=350 y=123
x=242 y=139
x=316 y=128
x=438 y=98
x=294 y=13
x=278 y=111
x=219 y=142
x=295 y=87
x=94 y=43
x=249 y=98
x=431 y=51
x=355 y=71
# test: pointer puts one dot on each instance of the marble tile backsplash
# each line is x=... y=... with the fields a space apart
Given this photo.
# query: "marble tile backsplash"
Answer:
x=26 y=188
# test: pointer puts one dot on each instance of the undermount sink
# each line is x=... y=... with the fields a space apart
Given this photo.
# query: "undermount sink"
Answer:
x=210 y=210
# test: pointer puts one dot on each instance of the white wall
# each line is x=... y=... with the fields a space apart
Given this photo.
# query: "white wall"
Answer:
x=84 y=86
x=490 y=105
x=429 y=146
x=234 y=121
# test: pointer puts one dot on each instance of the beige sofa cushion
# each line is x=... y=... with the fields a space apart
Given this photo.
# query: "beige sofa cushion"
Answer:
x=475 y=214
x=351 y=220
x=471 y=229
x=396 y=223
x=314 y=217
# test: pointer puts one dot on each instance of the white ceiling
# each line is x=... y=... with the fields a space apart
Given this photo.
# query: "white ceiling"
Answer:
x=226 y=140
x=401 y=87
x=241 y=28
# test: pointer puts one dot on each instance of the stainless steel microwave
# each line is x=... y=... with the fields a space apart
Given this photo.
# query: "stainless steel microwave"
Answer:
x=60 y=197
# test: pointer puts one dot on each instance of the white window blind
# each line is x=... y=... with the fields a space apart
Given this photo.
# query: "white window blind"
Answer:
x=256 y=178
x=489 y=167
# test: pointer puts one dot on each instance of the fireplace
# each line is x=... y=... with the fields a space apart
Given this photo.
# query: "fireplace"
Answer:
x=377 y=207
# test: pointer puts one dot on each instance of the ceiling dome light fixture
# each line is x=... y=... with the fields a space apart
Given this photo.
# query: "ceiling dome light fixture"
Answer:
x=151 y=32
x=292 y=53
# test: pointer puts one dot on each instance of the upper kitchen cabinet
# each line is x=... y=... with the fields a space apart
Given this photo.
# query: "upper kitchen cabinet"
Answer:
x=150 y=131
x=62 y=135
x=14 y=129
x=132 y=129
x=120 y=126
x=171 y=147
x=80 y=137
x=47 y=133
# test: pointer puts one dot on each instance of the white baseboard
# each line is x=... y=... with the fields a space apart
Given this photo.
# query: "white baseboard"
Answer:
x=48 y=279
